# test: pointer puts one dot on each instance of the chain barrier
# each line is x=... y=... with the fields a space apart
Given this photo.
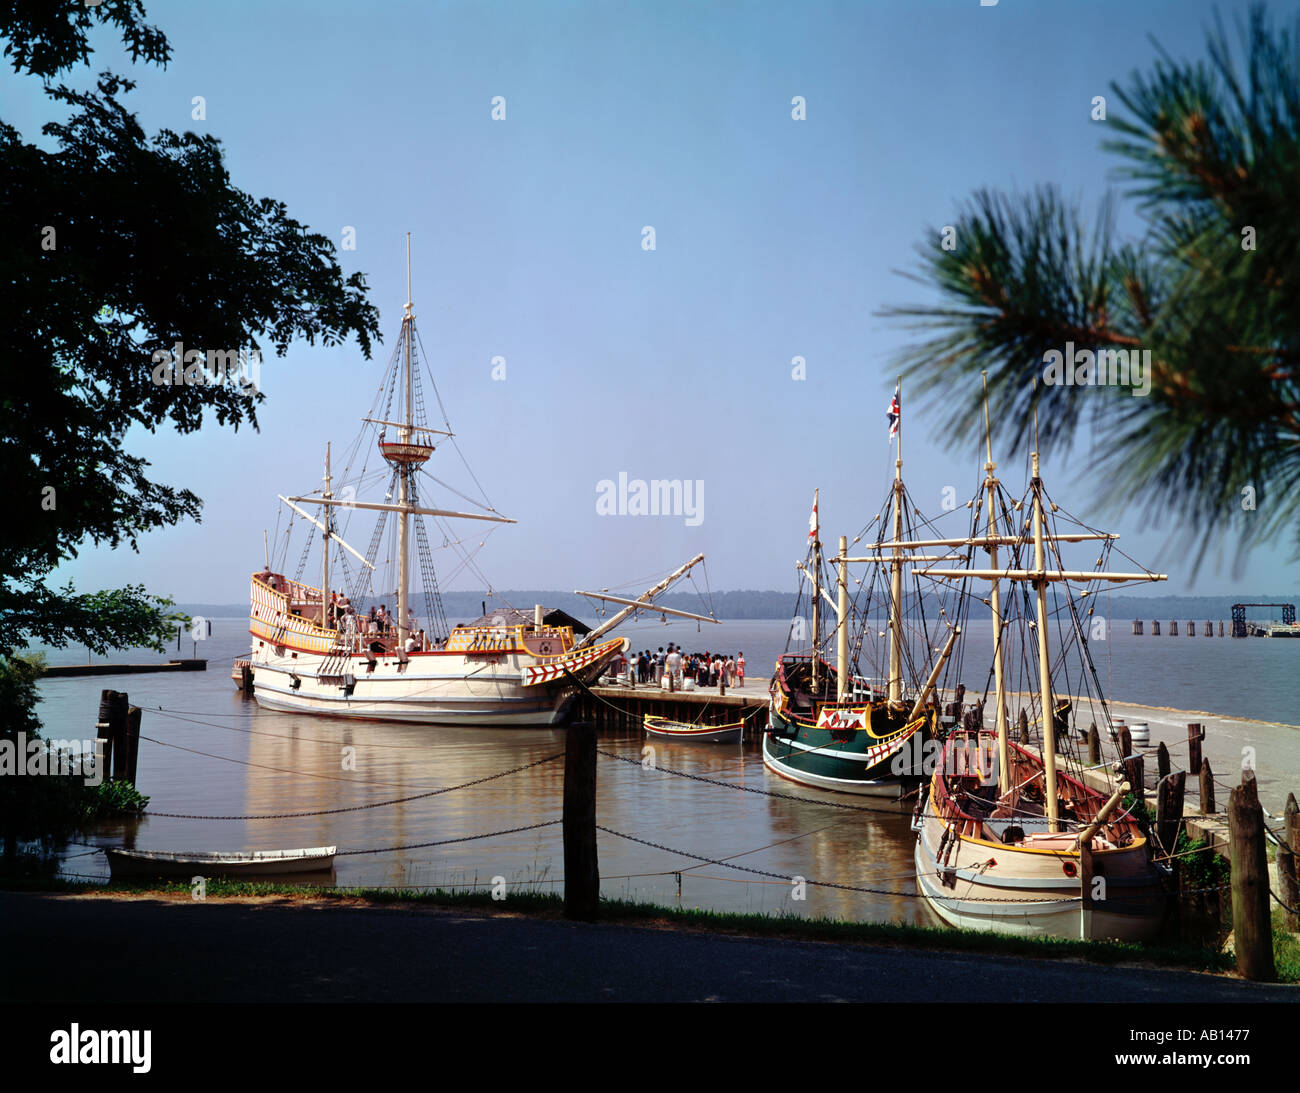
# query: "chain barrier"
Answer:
x=752 y=789
x=360 y=808
x=818 y=883
x=446 y=842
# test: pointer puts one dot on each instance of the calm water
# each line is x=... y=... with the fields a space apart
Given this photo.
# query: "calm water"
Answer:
x=209 y=751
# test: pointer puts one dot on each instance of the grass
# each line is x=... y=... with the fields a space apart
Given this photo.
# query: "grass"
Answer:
x=1286 y=949
x=783 y=927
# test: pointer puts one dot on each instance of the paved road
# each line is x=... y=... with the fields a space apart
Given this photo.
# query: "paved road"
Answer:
x=93 y=949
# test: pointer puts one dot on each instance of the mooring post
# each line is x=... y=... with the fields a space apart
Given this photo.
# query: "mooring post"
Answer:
x=1207 y=788
x=1125 y=743
x=246 y=679
x=1094 y=746
x=1162 y=761
x=132 y=740
x=1134 y=771
x=112 y=730
x=1252 y=926
x=1288 y=880
x=581 y=868
x=1169 y=810
x=1195 y=734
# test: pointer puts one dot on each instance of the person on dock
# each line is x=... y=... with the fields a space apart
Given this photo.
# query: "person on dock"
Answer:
x=660 y=661
x=673 y=663
x=740 y=669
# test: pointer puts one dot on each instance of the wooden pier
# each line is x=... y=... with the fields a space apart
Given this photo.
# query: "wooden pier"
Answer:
x=65 y=670
x=617 y=706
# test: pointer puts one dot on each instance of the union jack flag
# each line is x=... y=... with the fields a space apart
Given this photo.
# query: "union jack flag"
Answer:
x=894 y=414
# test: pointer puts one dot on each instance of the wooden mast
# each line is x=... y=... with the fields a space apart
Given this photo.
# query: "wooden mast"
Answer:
x=842 y=628
x=642 y=603
x=1044 y=663
x=995 y=602
x=325 y=542
x=896 y=570
x=816 y=595
x=404 y=473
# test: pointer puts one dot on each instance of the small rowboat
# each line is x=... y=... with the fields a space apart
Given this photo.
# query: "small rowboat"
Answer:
x=219 y=863
x=682 y=730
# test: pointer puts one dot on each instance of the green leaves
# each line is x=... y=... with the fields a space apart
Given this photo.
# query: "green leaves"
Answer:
x=1210 y=289
x=46 y=37
x=121 y=245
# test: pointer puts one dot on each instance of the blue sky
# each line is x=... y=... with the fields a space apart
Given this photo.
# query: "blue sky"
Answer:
x=774 y=239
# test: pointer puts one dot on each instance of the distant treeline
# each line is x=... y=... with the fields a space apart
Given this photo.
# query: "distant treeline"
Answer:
x=781 y=605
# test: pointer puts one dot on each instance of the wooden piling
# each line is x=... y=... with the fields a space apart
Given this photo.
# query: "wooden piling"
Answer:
x=1094 y=746
x=1288 y=880
x=1195 y=734
x=1125 y=742
x=1169 y=810
x=111 y=728
x=1137 y=626
x=1173 y=628
x=1252 y=927
x=1207 y=788
x=1155 y=628
x=581 y=867
x=1135 y=772
x=132 y=742
x=1162 y=761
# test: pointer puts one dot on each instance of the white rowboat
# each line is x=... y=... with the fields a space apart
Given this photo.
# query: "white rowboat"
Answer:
x=186 y=863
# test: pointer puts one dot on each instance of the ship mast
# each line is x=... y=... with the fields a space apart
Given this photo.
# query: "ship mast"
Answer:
x=995 y=601
x=404 y=475
x=642 y=603
x=842 y=627
x=1039 y=582
x=325 y=542
x=896 y=570
x=816 y=593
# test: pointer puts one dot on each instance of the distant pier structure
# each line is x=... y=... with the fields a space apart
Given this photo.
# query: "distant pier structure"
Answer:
x=1242 y=627
x=1139 y=627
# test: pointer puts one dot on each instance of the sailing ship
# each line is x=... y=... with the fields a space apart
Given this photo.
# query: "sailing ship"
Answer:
x=313 y=652
x=1006 y=839
x=831 y=729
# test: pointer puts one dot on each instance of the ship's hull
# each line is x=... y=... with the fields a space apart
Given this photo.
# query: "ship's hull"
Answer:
x=436 y=688
x=1037 y=884
x=1028 y=894
x=855 y=762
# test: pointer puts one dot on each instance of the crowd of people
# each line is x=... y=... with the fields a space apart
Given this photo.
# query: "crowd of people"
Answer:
x=670 y=668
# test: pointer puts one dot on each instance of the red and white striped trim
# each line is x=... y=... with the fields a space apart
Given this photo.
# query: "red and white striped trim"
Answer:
x=552 y=670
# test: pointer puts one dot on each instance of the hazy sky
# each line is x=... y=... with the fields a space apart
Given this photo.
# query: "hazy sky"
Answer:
x=774 y=239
